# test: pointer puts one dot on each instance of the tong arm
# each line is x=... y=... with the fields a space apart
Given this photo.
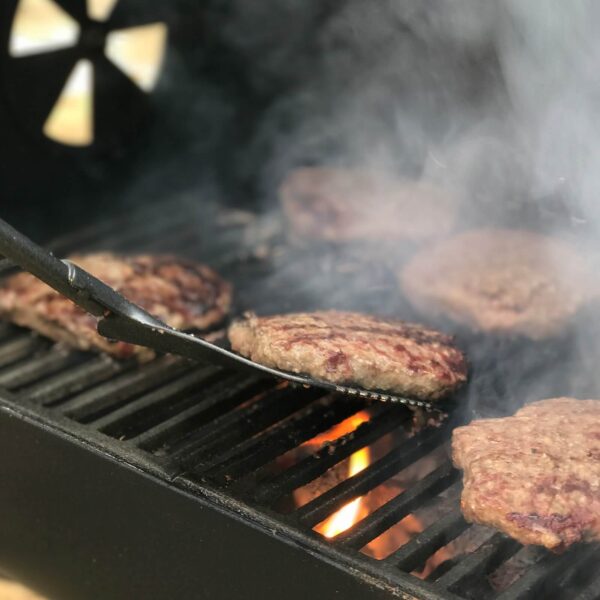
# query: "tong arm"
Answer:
x=88 y=292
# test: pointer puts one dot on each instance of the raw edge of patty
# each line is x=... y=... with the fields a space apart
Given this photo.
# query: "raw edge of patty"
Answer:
x=501 y=281
x=535 y=475
x=354 y=349
x=181 y=292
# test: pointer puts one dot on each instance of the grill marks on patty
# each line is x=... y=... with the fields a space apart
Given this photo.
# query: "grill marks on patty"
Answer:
x=354 y=349
x=535 y=475
x=182 y=293
x=501 y=281
x=184 y=290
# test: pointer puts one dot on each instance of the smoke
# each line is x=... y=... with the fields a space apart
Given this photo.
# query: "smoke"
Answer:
x=389 y=83
x=495 y=100
x=550 y=55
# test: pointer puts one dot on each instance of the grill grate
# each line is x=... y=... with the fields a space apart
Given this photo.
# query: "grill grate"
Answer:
x=223 y=433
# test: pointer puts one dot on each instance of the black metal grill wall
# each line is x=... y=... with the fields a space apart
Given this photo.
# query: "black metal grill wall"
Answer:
x=241 y=85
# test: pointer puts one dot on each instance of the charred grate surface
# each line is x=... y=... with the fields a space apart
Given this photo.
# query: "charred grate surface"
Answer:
x=262 y=444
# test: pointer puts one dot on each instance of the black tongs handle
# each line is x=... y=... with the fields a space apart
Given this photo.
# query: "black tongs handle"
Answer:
x=127 y=322
x=121 y=319
x=71 y=281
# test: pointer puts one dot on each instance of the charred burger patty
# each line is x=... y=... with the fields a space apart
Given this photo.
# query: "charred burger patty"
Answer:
x=182 y=293
x=535 y=475
x=501 y=281
x=354 y=349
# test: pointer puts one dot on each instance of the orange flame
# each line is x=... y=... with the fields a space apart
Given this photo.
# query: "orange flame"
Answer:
x=350 y=513
x=357 y=509
x=337 y=431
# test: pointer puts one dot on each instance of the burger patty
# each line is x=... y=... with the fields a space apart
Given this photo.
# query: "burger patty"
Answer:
x=182 y=293
x=501 y=281
x=535 y=475
x=345 y=205
x=354 y=349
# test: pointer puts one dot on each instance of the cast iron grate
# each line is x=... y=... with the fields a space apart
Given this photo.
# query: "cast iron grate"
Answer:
x=223 y=434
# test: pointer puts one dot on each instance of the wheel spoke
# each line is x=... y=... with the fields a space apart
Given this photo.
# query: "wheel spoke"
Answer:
x=139 y=52
x=100 y=10
x=71 y=119
x=36 y=83
x=41 y=26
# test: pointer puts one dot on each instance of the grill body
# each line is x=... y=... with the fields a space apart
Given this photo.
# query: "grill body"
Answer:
x=162 y=480
x=158 y=481
x=80 y=523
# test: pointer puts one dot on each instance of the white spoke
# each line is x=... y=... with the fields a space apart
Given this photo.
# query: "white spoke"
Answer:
x=41 y=26
x=71 y=119
x=100 y=10
x=139 y=52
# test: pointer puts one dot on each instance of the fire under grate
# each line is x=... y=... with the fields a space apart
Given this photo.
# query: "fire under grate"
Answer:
x=265 y=447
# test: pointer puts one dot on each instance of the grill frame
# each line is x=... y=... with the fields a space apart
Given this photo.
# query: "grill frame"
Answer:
x=43 y=561
x=214 y=435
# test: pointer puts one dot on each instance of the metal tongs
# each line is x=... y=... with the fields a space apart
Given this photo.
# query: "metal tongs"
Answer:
x=120 y=319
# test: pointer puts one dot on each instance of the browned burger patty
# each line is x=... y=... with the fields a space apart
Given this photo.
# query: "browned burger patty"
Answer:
x=535 y=475
x=501 y=281
x=344 y=205
x=354 y=349
x=182 y=293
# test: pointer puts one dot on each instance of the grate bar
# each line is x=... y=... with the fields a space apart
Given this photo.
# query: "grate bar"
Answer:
x=269 y=408
x=579 y=573
x=288 y=434
x=591 y=591
x=145 y=241
x=31 y=370
x=313 y=466
x=425 y=544
x=222 y=397
x=326 y=504
x=140 y=225
x=540 y=577
x=186 y=383
x=485 y=559
x=399 y=507
x=75 y=380
x=8 y=330
x=20 y=347
x=178 y=239
x=90 y=404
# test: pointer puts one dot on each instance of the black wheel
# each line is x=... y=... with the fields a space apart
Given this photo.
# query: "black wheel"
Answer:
x=77 y=75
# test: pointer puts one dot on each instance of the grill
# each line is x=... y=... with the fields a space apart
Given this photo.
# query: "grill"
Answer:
x=168 y=479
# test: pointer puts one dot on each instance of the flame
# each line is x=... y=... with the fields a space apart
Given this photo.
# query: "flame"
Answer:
x=359 y=508
x=350 y=513
x=342 y=428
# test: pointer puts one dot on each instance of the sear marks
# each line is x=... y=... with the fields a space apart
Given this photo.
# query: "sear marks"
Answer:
x=500 y=281
x=346 y=205
x=182 y=293
x=535 y=475
x=354 y=349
